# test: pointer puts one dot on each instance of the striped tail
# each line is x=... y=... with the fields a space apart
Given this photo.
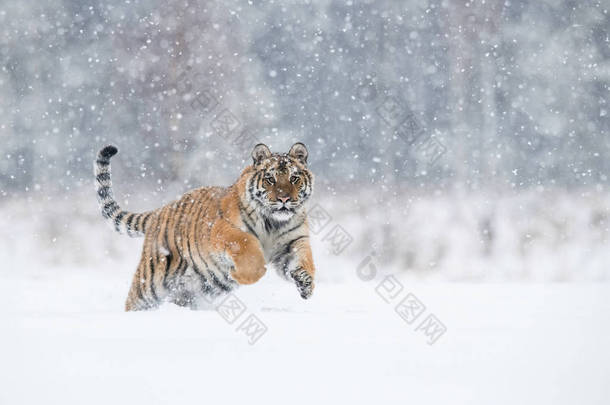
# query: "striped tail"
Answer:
x=122 y=221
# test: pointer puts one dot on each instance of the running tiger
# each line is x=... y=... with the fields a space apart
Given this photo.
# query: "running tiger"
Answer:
x=213 y=239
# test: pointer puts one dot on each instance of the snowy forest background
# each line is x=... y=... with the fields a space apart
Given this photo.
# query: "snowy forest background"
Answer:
x=451 y=139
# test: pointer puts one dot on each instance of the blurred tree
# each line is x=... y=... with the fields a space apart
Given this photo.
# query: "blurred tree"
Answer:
x=517 y=91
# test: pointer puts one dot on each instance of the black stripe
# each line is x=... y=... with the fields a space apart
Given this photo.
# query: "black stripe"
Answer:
x=152 y=281
x=117 y=220
x=177 y=229
x=102 y=162
x=128 y=220
x=165 y=242
x=104 y=192
x=243 y=209
x=110 y=204
x=248 y=226
x=188 y=250
x=215 y=279
x=182 y=266
x=146 y=218
x=103 y=177
x=219 y=283
x=174 y=283
x=295 y=240
x=151 y=266
x=257 y=176
x=270 y=224
x=291 y=229
x=206 y=287
x=211 y=278
x=307 y=183
x=287 y=248
x=139 y=289
x=306 y=174
x=177 y=273
x=251 y=211
x=285 y=256
x=136 y=226
x=254 y=182
x=180 y=216
x=109 y=209
x=167 y=257
x=199 y=255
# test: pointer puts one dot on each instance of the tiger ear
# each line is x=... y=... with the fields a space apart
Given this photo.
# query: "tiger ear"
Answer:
x=260 y=153
x=299 y=152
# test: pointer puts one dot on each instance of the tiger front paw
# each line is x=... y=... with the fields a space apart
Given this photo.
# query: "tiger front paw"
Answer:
x=303 y=281
x=249 y=268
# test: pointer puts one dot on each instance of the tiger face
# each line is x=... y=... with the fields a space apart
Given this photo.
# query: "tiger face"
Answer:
x=281 y=182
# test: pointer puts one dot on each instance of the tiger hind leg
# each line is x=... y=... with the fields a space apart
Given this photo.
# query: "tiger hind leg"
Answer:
x=139 y=297
x=147 y=291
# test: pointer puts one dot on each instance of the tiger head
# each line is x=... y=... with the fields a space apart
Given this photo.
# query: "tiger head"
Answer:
x=281 y=183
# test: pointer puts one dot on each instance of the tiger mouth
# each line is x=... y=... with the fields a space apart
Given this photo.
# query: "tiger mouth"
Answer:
x=283 y=210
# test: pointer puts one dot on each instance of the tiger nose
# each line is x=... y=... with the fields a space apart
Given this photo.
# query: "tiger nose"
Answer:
x=284 y=199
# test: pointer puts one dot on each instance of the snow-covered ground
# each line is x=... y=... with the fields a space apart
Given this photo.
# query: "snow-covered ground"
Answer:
x=502 y=336
x=64 y=339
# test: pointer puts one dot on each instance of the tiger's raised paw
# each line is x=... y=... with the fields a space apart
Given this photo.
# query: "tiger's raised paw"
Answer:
x=304 y=282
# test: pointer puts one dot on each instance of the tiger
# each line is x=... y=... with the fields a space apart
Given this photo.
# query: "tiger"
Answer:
x=214 y=239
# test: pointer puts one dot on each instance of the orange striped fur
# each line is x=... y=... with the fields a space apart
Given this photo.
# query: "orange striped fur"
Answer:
x=213 y=239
